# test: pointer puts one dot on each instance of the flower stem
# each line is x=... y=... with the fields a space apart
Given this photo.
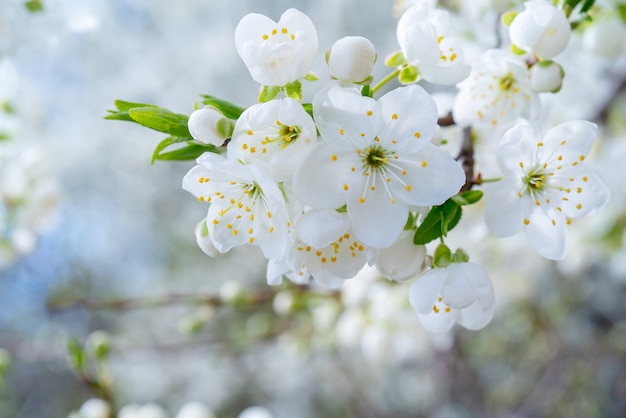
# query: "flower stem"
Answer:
x=491 y=180
x=385 y=80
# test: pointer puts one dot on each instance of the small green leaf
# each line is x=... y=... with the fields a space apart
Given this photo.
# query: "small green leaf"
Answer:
x=34 y=6
x=4 y=136
x=438 y=222
x=395 y=59
x=76 y=353
x=230 y=110
x=164 y=144
x=113 y=115
x=7 y=108
x=161 y=120
x=586 y=5
x=621 y=9
x=294 y=90
x=468 y=197
x=308 y=107
x=189 y=152
x=408 y=74
x=123 y=105
x=268 y=93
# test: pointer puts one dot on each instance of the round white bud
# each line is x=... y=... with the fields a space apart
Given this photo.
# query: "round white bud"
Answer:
x=546 y=76
x=204 y=240
x=255 y=412
x=203 y=126
x=95 y=408
x=352 y=59
x=605 y=38
x=195 y=410
x=541 y=29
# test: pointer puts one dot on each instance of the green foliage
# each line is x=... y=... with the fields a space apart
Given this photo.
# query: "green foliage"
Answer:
x=161 y=120
x=621 y=9
x=76 y=354
x=175 y=124
x=443 y=218
x=34 y=6
x=231 y=111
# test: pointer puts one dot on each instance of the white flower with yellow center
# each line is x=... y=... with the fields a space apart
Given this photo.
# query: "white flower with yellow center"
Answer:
x=277 y=53
x=246 y=205
x=545 y=185
x=459 y=292
x=424 y=39
x=376 y=158
x=496 y=93
x=276 y=134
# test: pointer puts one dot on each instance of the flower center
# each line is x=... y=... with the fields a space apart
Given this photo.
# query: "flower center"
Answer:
x=289 y=133
x=535 y=181
x=507 y=82
x=375 y=158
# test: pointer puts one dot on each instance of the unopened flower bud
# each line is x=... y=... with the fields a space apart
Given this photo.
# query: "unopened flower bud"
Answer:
x=195 y=410
x=209 y=126
x=546 y=76
x=99 y=343
x=541 y=29
x=605 y=38
x=352 y=59
x=95 y=408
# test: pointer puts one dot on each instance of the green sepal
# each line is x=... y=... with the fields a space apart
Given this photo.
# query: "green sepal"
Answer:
x=410 y=222
x=367 y=81
x=508 y=17
x=442 y=257
x=366 y=91
x=204 y=229
x=395 y=59
x=161 y=120
x=294 y=90
x=268 y=93
x=468 y=197
x=438 y=222
x=460 y=256
x=225 y=127
x=311 y=76
x=516 y=50
x=408 y=74
x=189 y=152
x=308 y=107
x=228 y=109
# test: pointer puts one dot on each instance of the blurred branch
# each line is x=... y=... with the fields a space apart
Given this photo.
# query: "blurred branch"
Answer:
x=620 y=87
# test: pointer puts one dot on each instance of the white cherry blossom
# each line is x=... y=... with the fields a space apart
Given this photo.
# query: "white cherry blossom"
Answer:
x=402 y=260
x=460 y=292
x=545 y=185
x=541 y=29
x=497 y=92
x=277 y=53
x=351 y=59
x=203 y=126
x=424 y=39
x=276 y=134
x=377 y=159
x=246 y=206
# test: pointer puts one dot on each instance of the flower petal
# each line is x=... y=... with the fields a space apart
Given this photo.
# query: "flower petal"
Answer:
x=476 y=316
x=546 y=232
x=321 y=227
x=425 y=290
x=504 y=211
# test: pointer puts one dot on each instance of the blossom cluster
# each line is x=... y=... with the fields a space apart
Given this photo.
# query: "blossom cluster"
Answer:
x=348 y=180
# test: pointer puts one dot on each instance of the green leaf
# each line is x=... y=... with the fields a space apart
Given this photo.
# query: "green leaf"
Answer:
x=189 y=152
x=164 y=144
x=76 y=353
x=408 y=74
x=230 y=110
x=4 y=136
x=268 y=93
x=161 y=120
x=119 y=116
x=34 y=6
x=438 y=222
x=123 y=105
x=621 y=9
x=586 y=5
x=308 y=107
x=294 y=90
x=468 y=197
x=7 y=108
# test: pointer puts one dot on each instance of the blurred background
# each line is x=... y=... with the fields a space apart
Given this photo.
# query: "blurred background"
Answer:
x=107 y=244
